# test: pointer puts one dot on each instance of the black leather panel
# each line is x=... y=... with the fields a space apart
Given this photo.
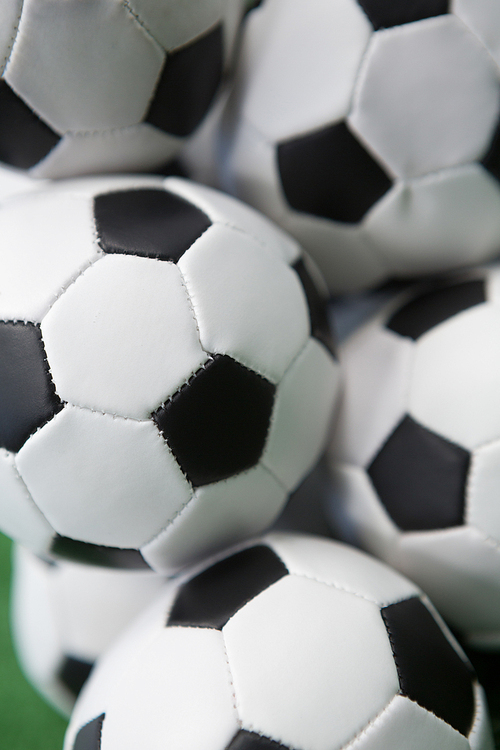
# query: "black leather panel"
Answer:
x=430 y=671
x=318 y=310
x=386 y=13
x=491 y=161
x=147 y=222
x=89 y=736
x=27 y=395
x=216 y=425
x=187 y=85
x=435 y=306
x=94 y=554
x=251 y=741
x=216 y=594
x=24 y=138
x=74 y=673
x=420 y=478
x=329 y=173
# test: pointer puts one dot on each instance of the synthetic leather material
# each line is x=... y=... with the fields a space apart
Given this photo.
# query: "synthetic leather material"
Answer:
x=27 y=395
x=187 y=85
x=211 y=598
x=430 y=670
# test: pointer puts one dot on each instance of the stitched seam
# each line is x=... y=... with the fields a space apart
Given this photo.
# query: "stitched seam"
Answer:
x=273 y=475
x=139 y=21
x=368 y=728
x=191 y=303
x=347 y=590
x=176 y=515
x=231 y=680
x=73 y=279
x=12 y=40
x=27 y=493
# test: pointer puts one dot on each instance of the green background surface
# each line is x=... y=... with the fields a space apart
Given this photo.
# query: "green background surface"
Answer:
x=28 y=723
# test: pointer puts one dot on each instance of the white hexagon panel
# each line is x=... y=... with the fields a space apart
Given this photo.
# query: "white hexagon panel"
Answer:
x=168 y=374
x=369 y=131
x=65 y=614
x=417 y=447
x=108 y=85
x=288 y=643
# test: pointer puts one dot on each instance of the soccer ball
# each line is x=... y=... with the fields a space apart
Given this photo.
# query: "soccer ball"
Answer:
x=417 y=452
x=167 y=375
x=369 y=130
x=65 y=615
x=108 y=85
x=293 y=642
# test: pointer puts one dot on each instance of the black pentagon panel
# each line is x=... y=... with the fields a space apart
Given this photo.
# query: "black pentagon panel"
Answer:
x=187 y=85
x=89 y=736
x=251 y=741
x=74 y=673
x=491 y=161
x=216 y=594
x=216 y=425
x=27 y=395
x=147 y=222
x=430 y=671
x=420 y=478
x=386 y=13
x=329 y=174
x=94 y=554
x=435 y=306
x=24 y=138
x=318 y=310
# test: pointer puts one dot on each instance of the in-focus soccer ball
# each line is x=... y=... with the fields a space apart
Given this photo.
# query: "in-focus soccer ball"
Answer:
x=294 y=642
x=166 y=371
x=417 y=451
x=107 y=85
x=369 y=130
x=65 y=615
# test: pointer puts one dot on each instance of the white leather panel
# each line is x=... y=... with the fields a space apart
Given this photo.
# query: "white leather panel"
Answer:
x=299 y=64
x=302 y=415
x=311 y=665
x=407 y=726
x=483 y=17
x=376 y=365
x=46 y=241
x=456 y=375
x=128 y=149
x=14 y=181
x=10 y=12
x=482 y=508
x=224 y=209
x=84 y=66
x=91 y=474
x=453 y=566
x=123 y=338
x=35 y=630
x=19 y=516
x=480 y=737
x=176 y=693
x=175 y=22
x=341 y=566
x=248 y=303
x=219 y=515
x=93 y=605
x=355 y=506
x=343 y=252
x=428 y=96
x=438 y=221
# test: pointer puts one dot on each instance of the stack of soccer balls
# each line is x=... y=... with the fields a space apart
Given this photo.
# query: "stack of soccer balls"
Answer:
x=168 y=377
